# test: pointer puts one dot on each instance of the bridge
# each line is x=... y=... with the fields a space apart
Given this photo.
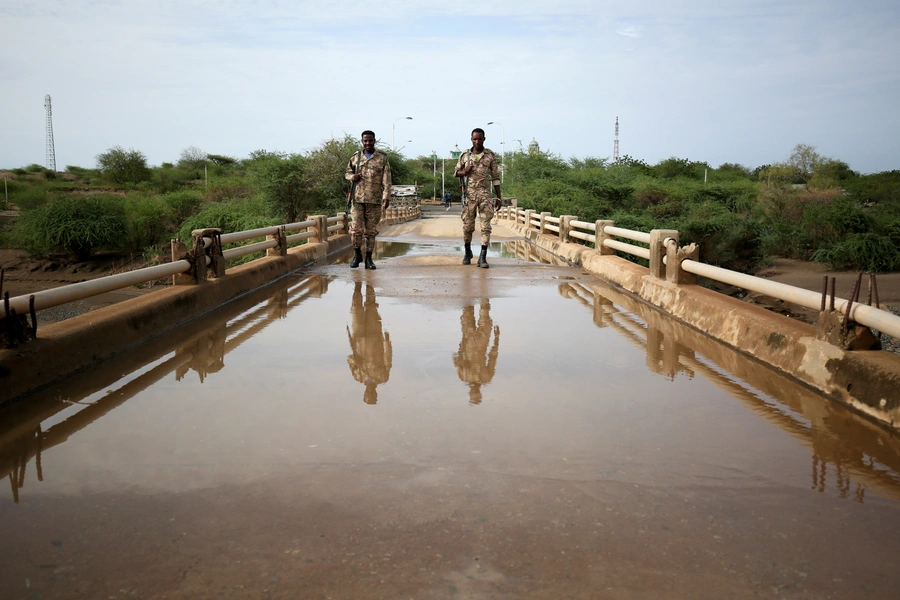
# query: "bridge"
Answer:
x=431 y=430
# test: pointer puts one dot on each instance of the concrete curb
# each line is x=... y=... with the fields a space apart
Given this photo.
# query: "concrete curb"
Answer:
x=869 y=381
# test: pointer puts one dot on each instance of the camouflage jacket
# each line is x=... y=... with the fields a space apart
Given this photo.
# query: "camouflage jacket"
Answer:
x=485 y=174
x=375 y=185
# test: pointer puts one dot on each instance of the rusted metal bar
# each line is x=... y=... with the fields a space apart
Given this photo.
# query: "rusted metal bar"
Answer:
x=875 y=289
x=833 y=284
x=853 y=295
x=33 y=316
x=824 y=292
x=871 y=277
x=6 y=303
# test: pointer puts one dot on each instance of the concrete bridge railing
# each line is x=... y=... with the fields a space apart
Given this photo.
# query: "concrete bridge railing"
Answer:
x=681 y=265
x=205 y=258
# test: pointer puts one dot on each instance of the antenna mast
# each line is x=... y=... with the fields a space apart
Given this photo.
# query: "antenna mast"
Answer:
x=615 y=144
x=51 y=150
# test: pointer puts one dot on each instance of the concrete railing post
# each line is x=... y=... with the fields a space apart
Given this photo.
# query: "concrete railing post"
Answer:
x=658 y=239
x=674 y=257
x=565 y=228
x=543 y=226
x=528 y=213
x=345 y=221
x=321 y=228
x=601 y=235
x=281 y=238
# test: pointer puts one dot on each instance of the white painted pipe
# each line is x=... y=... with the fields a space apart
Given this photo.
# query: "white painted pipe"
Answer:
x=863 y=314
x=628 y=248
x=240 y=236
x=299 y=225
x=628 y=234
x=249 y=249
x=86 y=289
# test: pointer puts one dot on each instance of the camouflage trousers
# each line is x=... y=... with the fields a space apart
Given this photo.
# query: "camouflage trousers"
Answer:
x=364 y=219
x=483 y=207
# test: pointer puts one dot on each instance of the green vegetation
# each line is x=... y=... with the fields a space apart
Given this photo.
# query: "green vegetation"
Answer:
x=74 y=224
x=806 y=207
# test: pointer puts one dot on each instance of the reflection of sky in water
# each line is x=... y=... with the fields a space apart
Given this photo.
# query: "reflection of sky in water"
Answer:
x=564 y=389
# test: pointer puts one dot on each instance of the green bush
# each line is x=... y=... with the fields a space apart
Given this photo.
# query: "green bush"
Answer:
x=239 y=214
x=181 y=205
x=77 y=224
x=869 y=252
x=725 y=238
x=27 y=197
x=561 y=198
x=147 y=221
x=124 y=167
x=171 y=179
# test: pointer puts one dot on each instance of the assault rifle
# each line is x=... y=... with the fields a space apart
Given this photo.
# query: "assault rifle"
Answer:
x=353 y=183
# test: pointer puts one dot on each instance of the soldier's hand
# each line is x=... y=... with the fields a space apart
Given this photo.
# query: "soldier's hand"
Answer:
x=497 y=204
x=356 y=177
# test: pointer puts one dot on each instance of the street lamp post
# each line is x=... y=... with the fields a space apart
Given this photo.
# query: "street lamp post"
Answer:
x=502 y=148
x=394 y=128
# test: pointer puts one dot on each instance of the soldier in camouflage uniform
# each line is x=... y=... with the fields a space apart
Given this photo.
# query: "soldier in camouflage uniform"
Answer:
x=475 y=364
x=370 y=172
x=478 y=168
x=370 y=362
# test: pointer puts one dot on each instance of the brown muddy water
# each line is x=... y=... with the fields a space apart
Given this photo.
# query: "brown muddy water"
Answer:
x=429 y=430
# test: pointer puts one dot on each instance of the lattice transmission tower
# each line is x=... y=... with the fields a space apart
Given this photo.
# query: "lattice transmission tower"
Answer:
x=51 y=149
x=616 y=143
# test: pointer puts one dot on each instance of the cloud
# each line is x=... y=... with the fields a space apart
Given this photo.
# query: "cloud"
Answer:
x=629 y=29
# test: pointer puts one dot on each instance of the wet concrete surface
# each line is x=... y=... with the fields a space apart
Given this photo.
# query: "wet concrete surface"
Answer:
x=429 y=430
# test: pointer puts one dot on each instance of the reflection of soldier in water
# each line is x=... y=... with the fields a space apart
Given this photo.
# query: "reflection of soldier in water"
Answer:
x=474 y=363
x=370 y=362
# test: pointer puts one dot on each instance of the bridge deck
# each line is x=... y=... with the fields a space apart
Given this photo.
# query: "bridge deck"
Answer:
x=429 y=430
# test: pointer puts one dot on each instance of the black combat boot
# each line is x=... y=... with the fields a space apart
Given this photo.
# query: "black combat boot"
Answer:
x=482 y=258
x=467 y=259
x=369 y=263
x=357 y=258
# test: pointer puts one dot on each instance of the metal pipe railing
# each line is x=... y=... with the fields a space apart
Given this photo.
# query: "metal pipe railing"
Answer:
x=628 y=248
x=86 y=289
x=249 y=249
x=863 y=314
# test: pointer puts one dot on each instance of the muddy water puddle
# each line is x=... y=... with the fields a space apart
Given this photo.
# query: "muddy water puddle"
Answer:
x=435 y=432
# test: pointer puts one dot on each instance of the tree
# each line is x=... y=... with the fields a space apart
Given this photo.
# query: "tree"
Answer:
x=123 y=166
x=325 y=168
x=192 y=157
x=804 y=160
x=285 y=184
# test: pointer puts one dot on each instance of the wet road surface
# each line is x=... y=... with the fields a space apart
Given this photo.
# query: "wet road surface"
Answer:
x=429 y=430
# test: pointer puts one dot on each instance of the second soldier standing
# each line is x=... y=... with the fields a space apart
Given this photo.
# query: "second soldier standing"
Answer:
x=370 y=170
x=478 y=169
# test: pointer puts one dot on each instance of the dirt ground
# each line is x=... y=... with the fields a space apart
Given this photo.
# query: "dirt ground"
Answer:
x=23 y=274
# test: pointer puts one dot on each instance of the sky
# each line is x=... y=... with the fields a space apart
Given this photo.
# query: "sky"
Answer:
x=740 y=81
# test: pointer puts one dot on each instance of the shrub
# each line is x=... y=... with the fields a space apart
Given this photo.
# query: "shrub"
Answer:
x=869 y=252
x=75 y=224
x=230 y=216
x=147 y=221
x=181 y=205
x=123 y=166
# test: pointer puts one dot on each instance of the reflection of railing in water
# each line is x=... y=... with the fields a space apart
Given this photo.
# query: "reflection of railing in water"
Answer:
x=204 y=354
x=525 y=250
x=853 y=446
